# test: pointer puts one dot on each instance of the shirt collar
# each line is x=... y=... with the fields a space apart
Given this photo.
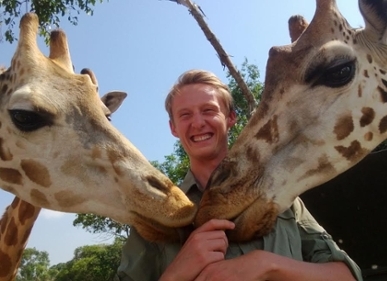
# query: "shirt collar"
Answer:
x=188 y=182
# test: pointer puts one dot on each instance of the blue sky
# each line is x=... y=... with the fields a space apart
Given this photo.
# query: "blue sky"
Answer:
x=141 y=47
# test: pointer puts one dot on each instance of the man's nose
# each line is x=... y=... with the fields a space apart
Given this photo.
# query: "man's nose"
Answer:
x=198 y=121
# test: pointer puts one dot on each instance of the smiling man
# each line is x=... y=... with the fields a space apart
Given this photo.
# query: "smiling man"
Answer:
x=201 y=112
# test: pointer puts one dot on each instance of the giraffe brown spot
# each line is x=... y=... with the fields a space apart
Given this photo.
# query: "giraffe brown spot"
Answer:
x=383 y=125
x=25 y=237
x=3 y=224
x=369 y=58
x=384 y=83
x=269 y=131
x=252 y=154
x=4 y=89
x=367 y=117
x=352 y=153
x=26 y=211
x=368 y=136
x=354 y=41
x=344 y=127
x=39 y=198
x=383 y=94
x=5 y=265
x=11 y=175
x=382 y=71
x=324 y=167
x=11 y=235
x=68 y=198
x=5 y=154
x=36 y=172
x=365 y=73
x=15 y=203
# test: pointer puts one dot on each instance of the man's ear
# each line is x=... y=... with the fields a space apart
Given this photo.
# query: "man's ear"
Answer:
x=231 y=119
x=173 y=129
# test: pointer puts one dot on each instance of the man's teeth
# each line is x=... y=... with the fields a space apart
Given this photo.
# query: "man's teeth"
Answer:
x=202 y=137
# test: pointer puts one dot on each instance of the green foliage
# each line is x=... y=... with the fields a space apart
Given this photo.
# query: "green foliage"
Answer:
x=175 y=165
x=250 y=74
x=91 y=263
x=98 y=224
x=49 y=12
x=34 y=265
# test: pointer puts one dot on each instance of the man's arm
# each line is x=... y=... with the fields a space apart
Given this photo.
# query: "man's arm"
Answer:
x=262 y=265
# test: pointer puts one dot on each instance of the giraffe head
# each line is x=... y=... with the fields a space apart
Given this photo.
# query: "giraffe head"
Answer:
x=58 y=150
x=19 y=217
x=324 y=108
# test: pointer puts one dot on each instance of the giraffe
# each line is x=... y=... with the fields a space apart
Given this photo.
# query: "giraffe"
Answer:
x=58 y=151
x=323 y=109
x=20 y=216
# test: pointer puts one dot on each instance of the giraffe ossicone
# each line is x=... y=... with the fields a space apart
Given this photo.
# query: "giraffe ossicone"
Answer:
x=58 y=151
x=323 y=109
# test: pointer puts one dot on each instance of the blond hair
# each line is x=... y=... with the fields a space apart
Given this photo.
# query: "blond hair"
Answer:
x=197 y=76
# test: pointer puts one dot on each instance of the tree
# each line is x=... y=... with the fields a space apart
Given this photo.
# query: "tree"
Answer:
x=98 y=224
x=34 y=265
x=91 y=263
x=48 y=11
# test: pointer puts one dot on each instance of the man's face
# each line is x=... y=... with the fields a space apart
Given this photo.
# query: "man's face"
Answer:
x=201 y=122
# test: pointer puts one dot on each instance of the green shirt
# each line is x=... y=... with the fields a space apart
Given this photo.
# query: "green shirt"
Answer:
x=296 y=235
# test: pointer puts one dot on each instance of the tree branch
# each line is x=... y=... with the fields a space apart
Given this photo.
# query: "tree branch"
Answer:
x=197 y=13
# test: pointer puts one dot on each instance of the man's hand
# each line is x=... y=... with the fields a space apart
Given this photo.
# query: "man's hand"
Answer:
x=206 y=244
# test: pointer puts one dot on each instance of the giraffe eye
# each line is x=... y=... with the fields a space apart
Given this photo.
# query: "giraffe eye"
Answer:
x=27 y=121
x=338 y=76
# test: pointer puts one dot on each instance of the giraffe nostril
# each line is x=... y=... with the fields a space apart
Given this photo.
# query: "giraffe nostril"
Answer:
x=158 y=184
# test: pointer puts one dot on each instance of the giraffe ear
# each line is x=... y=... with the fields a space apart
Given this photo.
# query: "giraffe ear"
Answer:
x=375 y=16
x=113 y=100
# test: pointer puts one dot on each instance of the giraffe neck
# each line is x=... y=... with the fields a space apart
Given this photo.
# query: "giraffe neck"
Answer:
x=15 y=228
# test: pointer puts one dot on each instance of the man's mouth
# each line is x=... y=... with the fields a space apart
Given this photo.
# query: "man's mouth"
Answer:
x=201 y=137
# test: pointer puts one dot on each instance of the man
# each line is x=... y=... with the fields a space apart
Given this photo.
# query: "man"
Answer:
x=200 y=109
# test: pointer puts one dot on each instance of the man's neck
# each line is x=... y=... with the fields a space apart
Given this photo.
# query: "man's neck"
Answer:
x=202 y=170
